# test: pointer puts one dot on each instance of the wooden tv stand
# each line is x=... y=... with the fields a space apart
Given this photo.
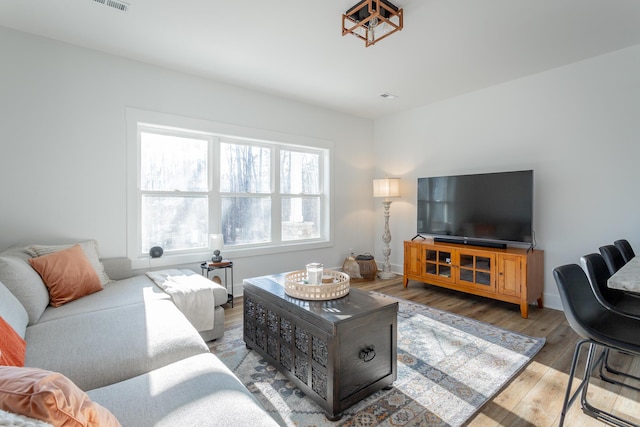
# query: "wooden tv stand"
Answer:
x=512 y=274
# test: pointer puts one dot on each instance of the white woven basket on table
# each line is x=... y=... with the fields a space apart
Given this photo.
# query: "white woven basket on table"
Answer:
x=295 y=286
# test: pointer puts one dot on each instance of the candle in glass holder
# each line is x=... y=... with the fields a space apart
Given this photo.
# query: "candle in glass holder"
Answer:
x=314 y=273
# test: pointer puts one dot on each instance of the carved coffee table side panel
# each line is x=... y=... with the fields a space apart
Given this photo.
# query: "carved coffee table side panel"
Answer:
x=296 y=348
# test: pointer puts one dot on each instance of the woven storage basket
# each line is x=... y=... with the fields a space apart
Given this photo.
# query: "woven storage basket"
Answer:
x=294 y=286
x=368 y=269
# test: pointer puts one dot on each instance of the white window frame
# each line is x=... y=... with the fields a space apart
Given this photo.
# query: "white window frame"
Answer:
x=137 y=119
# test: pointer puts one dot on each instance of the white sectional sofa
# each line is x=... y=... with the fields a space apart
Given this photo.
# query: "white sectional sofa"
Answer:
x=129 y=348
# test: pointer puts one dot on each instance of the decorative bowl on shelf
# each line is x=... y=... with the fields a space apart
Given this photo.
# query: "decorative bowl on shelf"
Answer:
x=295 y=285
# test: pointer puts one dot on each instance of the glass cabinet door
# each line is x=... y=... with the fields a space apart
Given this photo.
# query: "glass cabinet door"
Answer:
x=438 y=263
x=477 y=269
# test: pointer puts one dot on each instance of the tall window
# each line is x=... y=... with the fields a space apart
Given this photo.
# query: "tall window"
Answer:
x=300 y=184
x=174 y=196
x=246 y=193
x=263 y=196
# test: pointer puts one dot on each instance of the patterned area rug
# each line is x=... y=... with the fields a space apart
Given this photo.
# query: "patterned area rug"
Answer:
x=448 y=367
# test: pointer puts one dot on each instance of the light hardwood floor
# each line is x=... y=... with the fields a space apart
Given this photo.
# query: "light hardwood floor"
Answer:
x=534 y=397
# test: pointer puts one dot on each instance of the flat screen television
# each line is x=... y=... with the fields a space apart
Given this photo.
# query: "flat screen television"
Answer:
x=489 y=209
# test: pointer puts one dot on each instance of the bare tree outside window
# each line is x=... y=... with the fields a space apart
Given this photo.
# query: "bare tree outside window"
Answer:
x=245 y=184
x=300 y=190
x=190 y=183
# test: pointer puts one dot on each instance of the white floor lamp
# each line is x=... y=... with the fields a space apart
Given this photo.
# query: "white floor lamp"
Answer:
x=386 y=187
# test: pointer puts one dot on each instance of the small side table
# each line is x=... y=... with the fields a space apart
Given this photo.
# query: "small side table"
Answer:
x=225 y=265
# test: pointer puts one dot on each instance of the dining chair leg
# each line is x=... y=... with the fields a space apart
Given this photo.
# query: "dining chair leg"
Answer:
x=609 y=379
x=587 y=407
x=568 y=398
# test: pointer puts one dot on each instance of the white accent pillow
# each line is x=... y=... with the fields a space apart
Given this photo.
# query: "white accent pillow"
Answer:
x=90 y=250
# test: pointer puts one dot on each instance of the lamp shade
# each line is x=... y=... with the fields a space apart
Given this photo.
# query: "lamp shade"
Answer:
x=386 y=187
x=217 y=241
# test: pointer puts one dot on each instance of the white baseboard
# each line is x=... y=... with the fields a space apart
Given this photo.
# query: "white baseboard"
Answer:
x=552 y=301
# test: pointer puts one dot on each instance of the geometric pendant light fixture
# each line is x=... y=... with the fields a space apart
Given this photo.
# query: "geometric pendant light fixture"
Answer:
x=372 y=20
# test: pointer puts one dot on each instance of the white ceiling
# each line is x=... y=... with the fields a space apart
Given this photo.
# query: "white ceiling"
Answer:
x=295 y=48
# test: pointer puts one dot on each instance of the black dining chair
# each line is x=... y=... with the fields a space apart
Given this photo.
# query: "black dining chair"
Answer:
x=615 y=299
x=625 y=249
x=612 y=299
x=612 y=257
x=599 y=327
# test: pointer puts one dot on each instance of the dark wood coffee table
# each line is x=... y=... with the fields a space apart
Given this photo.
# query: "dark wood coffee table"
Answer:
x=337 y=352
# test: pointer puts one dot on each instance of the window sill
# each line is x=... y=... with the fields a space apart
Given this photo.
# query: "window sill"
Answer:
x=227 y=253
x=169 y=260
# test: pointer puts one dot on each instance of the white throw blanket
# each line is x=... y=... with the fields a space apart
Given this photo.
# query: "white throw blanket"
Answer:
x=191 y=293
x=15 y=420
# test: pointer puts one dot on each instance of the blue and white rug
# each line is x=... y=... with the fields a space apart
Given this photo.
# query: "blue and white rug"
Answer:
x=448 y=367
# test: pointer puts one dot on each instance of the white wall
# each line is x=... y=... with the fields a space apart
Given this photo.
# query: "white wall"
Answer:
x=63 y=146
x=577 y=127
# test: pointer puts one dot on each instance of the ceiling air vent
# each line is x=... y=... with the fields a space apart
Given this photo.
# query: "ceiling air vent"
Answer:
x=116 y=4
x=387 y=95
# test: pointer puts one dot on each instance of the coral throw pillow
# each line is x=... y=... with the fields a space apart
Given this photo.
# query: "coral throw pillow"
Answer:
x=12 y=346
x=51 y=397
x=68 y=275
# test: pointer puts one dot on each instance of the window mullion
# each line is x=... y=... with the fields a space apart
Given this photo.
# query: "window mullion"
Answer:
x=215 y=206
x=276 y=197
